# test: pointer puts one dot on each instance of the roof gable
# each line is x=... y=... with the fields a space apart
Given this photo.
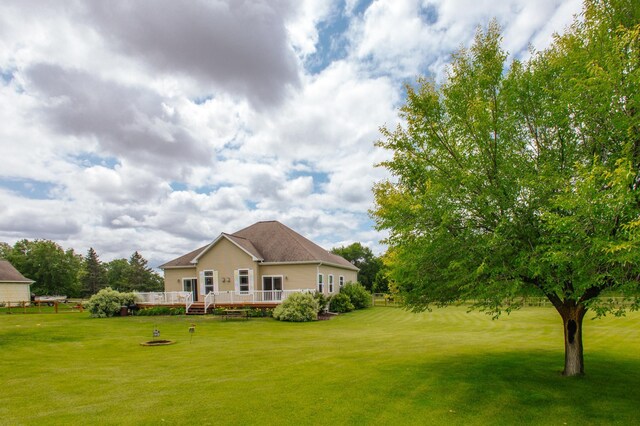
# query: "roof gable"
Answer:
x=243 y=244
x=10 y=274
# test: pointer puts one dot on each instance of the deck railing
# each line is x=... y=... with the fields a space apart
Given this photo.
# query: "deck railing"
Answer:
x=212 y=298
x=188 y=302
x=165 y=298
x=209 y=300
x=251 y=297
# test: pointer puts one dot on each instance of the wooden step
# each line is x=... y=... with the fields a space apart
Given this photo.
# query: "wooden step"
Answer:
x=196 y=309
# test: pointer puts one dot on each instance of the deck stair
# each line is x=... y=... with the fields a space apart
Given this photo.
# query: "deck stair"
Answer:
x=196 y=309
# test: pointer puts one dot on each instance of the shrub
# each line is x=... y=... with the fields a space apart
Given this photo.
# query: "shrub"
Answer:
x=359 y=296
x=341 y=303
x=322 y=300
x=107 y=302
x=299 y=307
x=260 y=312
x=161 y=310
x=218 y=311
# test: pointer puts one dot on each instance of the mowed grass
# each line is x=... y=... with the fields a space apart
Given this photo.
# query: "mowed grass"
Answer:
x=377 y=366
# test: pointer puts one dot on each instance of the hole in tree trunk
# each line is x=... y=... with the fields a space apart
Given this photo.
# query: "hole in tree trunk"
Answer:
x=572 y=327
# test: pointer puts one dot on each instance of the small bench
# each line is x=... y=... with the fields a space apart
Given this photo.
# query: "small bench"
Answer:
x=236 y=313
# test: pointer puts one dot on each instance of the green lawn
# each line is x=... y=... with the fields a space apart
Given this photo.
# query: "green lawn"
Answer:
x=378 y=366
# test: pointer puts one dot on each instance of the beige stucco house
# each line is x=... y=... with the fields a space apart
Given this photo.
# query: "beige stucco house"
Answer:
x=258 y=264
x=14 y=287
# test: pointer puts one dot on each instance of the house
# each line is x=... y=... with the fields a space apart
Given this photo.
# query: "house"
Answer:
x=260 y=264
x=14 y=287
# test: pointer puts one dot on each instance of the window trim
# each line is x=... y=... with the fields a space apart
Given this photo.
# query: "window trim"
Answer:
x=248 y=284
x=213 y=280
x=330 y=279
x=320 y=283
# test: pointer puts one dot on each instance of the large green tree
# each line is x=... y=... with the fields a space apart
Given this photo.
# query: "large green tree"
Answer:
x=363 y=258
x=522 y=178
x=54 y=270
x=117 y=270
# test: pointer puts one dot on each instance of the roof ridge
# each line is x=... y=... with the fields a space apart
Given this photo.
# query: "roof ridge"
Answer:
x=235 y=236
x=295 y=235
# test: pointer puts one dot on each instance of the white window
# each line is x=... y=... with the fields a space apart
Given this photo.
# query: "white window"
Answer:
x=341 y=280
x=208 y=282
x=330 y=283
x=320 y=283
x=243 y=280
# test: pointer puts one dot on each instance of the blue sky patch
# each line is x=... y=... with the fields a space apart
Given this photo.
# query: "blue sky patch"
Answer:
x=332 y=37
x=178 y=186
x=319 y=178
x=202 y=99
x=6 y=75
x=87 y=159
x=30 y=188
x=206 y=189
x=428 y=14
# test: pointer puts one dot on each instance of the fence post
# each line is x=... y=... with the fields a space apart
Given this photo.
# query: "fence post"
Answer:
x=55 y=303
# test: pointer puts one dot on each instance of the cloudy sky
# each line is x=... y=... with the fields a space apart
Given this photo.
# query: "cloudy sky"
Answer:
x=154 y=125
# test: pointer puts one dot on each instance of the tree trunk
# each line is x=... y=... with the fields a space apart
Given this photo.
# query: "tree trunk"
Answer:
x=572 y=314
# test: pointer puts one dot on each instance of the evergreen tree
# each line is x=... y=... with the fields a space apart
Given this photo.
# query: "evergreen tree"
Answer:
x=93 y=276
x=140 y=277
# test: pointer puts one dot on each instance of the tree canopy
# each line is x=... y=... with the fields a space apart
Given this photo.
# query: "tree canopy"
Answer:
x=517 y=178
x=363 y=258
x=63 y=272
x=54 y=270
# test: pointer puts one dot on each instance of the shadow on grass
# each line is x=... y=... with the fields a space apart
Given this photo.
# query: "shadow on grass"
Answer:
x=523 y=387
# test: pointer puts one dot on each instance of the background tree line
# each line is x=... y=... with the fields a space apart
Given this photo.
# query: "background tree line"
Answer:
x=372 y=270
x=64 y=272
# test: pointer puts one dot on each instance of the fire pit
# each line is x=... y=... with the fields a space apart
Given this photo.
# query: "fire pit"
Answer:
x=158 y=343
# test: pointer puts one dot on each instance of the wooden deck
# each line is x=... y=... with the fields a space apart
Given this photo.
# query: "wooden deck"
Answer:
x=260 y=299
x=197 y=308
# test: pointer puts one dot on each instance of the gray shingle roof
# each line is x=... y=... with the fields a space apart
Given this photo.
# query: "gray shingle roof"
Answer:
x=271 y=241
x=10 y=274
x=183 y=260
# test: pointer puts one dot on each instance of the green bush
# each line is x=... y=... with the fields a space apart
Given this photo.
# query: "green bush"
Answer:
x=359 y=296
x=107 y=302
x=341 y=303
x=161 y=310
x=260 y=312
x=299 y=307
x=322 y=300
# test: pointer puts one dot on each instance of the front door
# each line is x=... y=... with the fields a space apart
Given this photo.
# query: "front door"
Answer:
x=191 y=285
x=272 y=287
